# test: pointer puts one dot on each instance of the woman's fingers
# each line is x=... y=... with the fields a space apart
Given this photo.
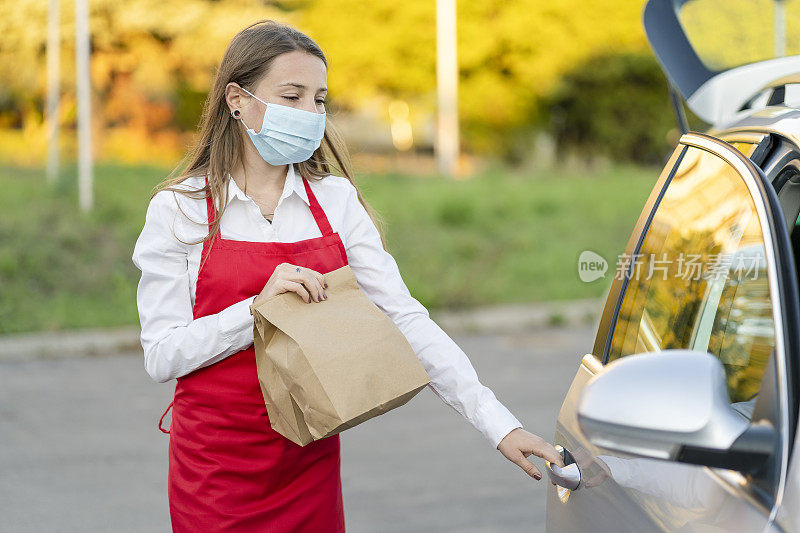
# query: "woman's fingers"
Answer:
x=548 y=452
x=519 y=444
x=527 y=466
x=312 y=283
x=293 y=286
x=290 y=278
x=311 y=279
x=319 y=276
x=541 y=449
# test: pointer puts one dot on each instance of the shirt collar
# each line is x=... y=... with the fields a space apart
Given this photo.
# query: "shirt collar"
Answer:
x=293 y=183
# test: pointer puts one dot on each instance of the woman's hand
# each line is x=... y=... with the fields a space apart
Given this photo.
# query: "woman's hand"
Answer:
x=519 y=444
x=307 y=283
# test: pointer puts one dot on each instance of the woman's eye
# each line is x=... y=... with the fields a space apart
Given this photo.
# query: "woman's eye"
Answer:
x=297 y=98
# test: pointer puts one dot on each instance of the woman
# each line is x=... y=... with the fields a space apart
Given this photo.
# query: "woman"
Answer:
x=259 y=182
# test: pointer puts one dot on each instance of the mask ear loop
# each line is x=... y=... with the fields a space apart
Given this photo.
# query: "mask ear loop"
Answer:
x=254 y=96
x=240 y=119
x=237 y=114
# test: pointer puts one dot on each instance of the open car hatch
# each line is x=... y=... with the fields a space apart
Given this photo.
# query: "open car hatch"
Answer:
x=726 y=58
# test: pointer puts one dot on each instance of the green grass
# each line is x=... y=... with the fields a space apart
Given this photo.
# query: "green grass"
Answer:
x=507 y=238
x=498 y=237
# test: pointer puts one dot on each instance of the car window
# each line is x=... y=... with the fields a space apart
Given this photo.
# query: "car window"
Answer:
x=747 y=148
x=699 y=280
x=753 y=145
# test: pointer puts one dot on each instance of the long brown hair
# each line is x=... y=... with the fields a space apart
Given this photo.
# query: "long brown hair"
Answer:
x=220 y=145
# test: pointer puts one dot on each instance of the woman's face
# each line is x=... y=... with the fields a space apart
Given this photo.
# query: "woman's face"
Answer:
x=296 y=79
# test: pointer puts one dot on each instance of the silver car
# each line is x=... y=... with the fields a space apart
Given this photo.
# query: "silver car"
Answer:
x=684 y=416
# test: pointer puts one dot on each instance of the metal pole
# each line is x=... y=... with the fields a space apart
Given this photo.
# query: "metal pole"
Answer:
x=83 y=83
x=780 y=28
x=447 y=141
x=53 y=88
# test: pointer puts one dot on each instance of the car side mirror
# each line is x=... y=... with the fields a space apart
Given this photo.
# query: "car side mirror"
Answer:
x=672 y=405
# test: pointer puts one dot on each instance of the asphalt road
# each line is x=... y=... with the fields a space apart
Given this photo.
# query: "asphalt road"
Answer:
x=80 y=452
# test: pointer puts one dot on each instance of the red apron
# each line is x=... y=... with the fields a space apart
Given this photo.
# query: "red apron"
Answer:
x=228 y=469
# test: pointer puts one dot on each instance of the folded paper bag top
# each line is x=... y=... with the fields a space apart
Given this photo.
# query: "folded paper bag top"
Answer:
x=331 y=365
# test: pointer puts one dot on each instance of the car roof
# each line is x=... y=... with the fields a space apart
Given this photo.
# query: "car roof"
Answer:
x=778 y=120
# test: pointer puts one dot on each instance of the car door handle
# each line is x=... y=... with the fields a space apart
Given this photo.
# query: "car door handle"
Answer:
x=568 y=476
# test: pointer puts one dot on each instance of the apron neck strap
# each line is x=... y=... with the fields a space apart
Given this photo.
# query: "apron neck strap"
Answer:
x=316 y=210
x=210 y=211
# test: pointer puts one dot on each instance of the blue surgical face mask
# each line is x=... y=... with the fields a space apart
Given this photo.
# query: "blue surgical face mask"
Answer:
x=288 y=135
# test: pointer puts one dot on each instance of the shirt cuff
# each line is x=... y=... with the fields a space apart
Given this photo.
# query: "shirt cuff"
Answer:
x=496 y=421
x=235 y=321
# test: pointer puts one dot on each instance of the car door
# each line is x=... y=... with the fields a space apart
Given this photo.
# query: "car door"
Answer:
x=709 y=267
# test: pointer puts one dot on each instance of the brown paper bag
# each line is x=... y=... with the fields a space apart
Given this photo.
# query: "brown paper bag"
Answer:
x=331 y=365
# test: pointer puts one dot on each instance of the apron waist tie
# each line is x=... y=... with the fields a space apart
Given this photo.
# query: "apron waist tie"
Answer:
x=162 y=419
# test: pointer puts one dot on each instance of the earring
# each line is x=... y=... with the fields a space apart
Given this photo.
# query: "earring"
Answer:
x=236 y=113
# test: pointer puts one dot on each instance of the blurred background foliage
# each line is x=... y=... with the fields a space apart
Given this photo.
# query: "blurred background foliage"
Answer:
x=728 y=34
x=627 y=116
x=525 y=67
x=498 y=237
x=563 y=115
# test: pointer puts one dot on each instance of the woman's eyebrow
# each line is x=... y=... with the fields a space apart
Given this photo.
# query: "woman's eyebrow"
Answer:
x=301 y=86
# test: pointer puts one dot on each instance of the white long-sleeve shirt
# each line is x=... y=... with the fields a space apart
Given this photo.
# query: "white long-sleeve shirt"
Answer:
x=175 y=344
